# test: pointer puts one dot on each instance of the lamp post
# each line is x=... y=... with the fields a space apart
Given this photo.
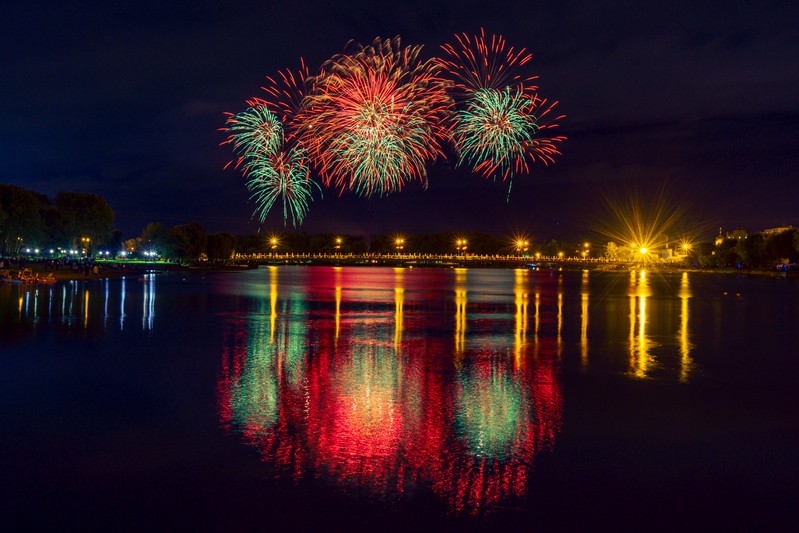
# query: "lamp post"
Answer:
x=399 y=244
x=273 y=242
x=460 y=246
x=338 y=244
x=522 y=246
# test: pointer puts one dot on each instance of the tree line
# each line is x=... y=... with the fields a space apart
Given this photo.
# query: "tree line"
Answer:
x=758 y=250
x=83 y=221
x=71 y=219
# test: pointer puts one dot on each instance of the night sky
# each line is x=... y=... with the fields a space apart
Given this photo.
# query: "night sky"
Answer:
x=696 y=98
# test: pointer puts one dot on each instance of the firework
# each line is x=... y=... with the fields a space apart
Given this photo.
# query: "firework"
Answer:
x=283 y=175
x=497 y=133
x=286 y=93
x=374 y=117
x=480 y=63
x=255 y=133
x=499 y=121
x=373 y=122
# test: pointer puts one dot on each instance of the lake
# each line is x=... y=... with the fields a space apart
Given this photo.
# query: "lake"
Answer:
x=343 y=398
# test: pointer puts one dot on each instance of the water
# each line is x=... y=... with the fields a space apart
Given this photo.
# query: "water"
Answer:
x=344 y=398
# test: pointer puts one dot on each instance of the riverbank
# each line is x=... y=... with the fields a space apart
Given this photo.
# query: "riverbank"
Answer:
x=119 y=270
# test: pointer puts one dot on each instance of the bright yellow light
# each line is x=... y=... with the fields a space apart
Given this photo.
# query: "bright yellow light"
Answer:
x=338 y=240
x=643 y=250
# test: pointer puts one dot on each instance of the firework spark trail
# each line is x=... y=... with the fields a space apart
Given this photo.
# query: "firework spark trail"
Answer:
x=287 y=91
x=274 y=164
x=480 y=64
x=374 y=120
x=284 y=176
x=255 y=133
x=497 y=127
x=497 y=132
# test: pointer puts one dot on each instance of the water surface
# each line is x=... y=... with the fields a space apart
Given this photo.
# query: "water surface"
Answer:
x=371 y=397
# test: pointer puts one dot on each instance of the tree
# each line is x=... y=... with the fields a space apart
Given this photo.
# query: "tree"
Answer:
x=781 y=246
x=155 y=238
x=21 y=221
x=188 y=241
x=221 y=246
x=754 y=250
x=612 y=252
x=85 y=216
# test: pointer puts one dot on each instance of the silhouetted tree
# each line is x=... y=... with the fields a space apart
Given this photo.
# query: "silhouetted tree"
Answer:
x=84 y=216
x=20 y=221
x=188 y=241
x=220 y=246
x=155 y=238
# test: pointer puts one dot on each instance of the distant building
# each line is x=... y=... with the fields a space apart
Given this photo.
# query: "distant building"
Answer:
x=719 y=238
x=774 y=231
x=736 y=234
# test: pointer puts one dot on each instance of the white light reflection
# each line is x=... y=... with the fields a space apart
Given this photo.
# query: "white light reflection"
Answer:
x=148 y=303
x=122 y=306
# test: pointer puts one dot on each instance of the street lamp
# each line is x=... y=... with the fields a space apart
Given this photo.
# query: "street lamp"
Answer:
x=521 y=246
x=338 y=244
x=273 y=242
x=460 y=246
x=399 y=244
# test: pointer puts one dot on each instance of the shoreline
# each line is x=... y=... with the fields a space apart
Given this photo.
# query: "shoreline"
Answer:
x=107 y=272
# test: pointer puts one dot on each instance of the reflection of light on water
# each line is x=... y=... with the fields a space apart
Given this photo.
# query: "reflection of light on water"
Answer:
x=362 y=412
x=399 y=297
x=86 y=309
x=272 y=302
x=537 y=319
x=105 y=305
x=148 y=302
x=375 y=418
x=560 y=316
x=522 y=302
x=254 y=392
x=640 y=358
x=584 y=321
x=337 y=271
x=460 y=309
x=686 y=362
x=121 y=305
x=491 y=407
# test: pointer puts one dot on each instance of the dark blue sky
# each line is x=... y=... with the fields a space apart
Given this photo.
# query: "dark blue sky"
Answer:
x=125 y=101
